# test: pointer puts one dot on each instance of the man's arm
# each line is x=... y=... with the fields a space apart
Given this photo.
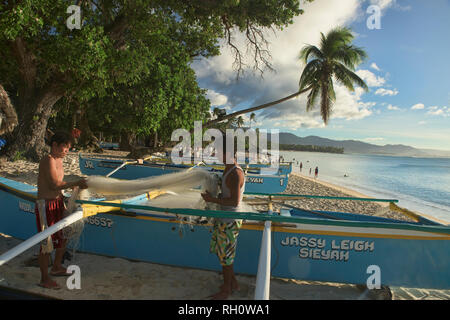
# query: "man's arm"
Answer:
x=234 y=181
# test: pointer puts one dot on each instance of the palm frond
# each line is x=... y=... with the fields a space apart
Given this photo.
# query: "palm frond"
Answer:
x=312 y=98
x=340 y=73
x=331 y=92
x=335 y=39
x=308 y=51
x=310 y=74
x=347 y=77
x=350 y=56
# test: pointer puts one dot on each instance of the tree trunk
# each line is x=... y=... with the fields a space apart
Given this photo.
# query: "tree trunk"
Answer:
x=127 y=141
x=10 y=121
x=262 y=106
x=27 y=140
x=34 y=106
x=88 y=141
x=155 y=144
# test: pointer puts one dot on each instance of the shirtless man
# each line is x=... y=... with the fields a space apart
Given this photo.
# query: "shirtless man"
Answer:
x=50 y=186
x=226 y=231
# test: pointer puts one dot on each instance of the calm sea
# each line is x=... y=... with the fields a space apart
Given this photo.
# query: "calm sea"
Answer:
x=420 y=184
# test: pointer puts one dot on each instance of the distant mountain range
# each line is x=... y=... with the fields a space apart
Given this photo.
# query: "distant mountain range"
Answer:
x=354 y=146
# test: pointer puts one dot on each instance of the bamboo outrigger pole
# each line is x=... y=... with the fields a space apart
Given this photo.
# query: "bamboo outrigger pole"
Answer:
x=262 y=290
x=8 y=255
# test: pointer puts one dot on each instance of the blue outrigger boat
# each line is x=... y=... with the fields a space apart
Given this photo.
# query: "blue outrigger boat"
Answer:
x=256 y=180
x=305 y=245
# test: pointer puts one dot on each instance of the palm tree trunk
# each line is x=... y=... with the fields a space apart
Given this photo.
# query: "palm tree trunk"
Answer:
x=262 y=106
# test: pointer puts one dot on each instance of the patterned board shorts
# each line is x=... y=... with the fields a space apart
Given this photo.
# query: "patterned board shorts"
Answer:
x=224 y=239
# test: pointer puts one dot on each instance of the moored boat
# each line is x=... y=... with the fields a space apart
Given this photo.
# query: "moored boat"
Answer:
x=306 y=245
x=256 y=179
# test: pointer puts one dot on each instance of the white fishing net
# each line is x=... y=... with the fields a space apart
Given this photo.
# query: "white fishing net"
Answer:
x=73 y=231
x=177 y=187
x=178 y=181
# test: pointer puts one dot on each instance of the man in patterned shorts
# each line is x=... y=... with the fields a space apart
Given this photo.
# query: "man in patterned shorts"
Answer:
x=226 y=231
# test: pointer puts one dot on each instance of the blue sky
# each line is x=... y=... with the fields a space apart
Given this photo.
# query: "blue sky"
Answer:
x=408 y=73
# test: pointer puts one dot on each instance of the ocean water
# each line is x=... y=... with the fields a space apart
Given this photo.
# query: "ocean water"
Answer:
x=420 y=184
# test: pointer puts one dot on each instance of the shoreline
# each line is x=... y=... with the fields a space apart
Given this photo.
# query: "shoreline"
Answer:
x=342 y=189
x=116 y=278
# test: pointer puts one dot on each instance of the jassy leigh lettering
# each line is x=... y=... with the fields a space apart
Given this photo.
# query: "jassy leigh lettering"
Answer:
x=314 y=248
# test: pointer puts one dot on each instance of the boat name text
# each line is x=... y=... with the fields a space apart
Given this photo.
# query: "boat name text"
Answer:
x=314 y=248
x=254 y=180
x=100 y=222
x=25 y=206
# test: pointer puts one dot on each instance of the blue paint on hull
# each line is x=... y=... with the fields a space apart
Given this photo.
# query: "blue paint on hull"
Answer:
x=296 y=254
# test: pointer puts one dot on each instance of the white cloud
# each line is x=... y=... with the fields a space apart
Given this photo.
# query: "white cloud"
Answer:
x=293 y=123
x=439 y=111
x=386 y=92
x=216 y=73
x=374 y=66
x=383 y=4
x=418 y=106
x=370 y=78
x=215 y=98
x=422 y=122
x=373 y=139
x=391 y=107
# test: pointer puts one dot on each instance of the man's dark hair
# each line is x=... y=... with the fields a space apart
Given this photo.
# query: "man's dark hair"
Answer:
x=61 y=137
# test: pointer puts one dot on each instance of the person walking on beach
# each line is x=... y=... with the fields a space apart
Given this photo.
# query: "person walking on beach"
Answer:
x=226 y=231
x=310 y=171
x=50 y=206
x=316 y=172
x=301 y=166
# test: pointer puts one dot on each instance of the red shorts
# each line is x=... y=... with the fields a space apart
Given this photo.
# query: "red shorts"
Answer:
x=54 y=212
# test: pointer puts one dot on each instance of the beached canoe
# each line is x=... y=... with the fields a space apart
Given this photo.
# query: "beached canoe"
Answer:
x=305 y=245
x=255 y=179
x=109 y=145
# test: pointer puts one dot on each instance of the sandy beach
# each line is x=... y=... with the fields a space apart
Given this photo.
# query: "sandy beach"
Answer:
x=115 y=278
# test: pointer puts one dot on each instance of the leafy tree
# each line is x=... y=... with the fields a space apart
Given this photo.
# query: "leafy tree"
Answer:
x=42 y=61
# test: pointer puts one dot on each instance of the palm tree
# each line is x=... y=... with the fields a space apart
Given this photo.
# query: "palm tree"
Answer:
x=335 y=58
x=240 y=121
x=252 y=118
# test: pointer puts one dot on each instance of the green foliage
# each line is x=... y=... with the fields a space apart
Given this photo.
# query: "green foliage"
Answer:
x=310 y=148
x=129 y=64
x=19 y=155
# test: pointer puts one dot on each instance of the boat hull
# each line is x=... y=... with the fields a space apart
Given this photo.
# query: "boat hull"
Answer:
x=316 y=249
x=254 y=183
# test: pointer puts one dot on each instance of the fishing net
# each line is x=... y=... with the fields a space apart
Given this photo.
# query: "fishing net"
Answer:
x=177 y=181
x=178 y=187
x=72 y=232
